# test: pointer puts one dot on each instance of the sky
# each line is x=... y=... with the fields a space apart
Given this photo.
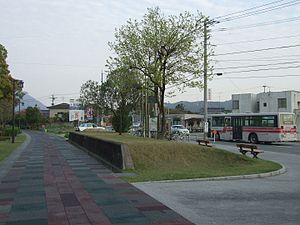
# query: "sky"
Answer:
x=55 y=46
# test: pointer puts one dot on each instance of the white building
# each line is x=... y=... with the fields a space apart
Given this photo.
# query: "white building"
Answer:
x=284 y=101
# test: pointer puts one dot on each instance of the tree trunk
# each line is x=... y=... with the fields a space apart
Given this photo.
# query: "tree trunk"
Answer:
x=162 y=112
x=158 y=131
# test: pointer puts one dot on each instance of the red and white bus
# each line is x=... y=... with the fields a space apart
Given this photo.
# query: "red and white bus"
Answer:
x=254 y=127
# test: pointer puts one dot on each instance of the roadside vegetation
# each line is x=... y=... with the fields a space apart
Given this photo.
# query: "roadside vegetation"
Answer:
x=6 y=147
x=60 y=129
x=170 y=160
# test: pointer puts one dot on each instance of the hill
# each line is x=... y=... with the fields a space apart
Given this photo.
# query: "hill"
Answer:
x=197 y=107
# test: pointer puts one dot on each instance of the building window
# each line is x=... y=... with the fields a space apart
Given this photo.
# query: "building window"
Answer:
x=265 y=104
x=281 y=103
x=235 y=104
x=298 y=103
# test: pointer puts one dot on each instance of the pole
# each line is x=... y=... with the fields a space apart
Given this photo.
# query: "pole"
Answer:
x=13 y=113
x=146 y=108
x=19 y=114
x=205 y=78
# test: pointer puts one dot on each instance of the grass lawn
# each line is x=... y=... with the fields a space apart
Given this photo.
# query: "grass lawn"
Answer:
x=6 y=147
x=169 y=160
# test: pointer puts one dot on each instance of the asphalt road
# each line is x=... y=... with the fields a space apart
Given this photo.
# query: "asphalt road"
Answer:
x=267 y=201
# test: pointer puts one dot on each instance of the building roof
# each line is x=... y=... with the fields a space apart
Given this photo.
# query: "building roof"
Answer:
x=60 y=106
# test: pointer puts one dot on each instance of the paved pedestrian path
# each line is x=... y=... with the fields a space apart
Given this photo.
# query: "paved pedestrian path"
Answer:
x=55 y=183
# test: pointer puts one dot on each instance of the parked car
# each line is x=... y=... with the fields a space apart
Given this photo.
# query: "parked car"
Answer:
x=85 y=126
x=179 y=129
x=110 y=129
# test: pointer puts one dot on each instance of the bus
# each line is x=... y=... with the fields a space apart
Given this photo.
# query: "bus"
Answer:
x=254 y=127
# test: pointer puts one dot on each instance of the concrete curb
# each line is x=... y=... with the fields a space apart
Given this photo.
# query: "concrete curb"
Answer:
x=238 y=177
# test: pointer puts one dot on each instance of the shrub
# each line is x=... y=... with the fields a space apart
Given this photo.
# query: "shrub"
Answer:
x=8 y=131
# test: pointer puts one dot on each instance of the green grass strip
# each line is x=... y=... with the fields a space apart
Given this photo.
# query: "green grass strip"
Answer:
x=6 y=147
x=170 y=160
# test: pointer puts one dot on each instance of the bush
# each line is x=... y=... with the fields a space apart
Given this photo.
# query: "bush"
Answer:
x=121 y=122
x=8 y=131
x=66 y=135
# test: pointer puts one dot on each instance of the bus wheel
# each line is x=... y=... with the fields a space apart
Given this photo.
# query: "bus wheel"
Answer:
x=253 y=138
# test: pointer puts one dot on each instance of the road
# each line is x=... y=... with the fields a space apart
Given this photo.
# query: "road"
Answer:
x=268 y=201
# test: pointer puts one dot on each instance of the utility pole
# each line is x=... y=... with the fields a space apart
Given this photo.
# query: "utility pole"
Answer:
x=146 y=107
x=19 y=113
x=13 y=112
x=20 y=85
x=101 y=76
x=264 y=86
x=205 y=78
x=101 y=121
x=52 y=99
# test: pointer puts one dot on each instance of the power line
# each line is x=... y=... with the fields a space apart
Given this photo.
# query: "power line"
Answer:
x=257 y=40
x=260 y=77
x=52 y=64
x=242 y=11
x=273 y=58
x=264 y=10
x=259 y=50
x=261 y=24
x=264 y=69
x=247 y=66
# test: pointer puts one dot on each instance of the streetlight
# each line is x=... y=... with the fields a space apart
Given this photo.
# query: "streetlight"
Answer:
x=20 y=85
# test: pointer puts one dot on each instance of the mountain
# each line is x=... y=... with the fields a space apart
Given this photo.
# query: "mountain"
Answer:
x=197 y=107
x=29 y=101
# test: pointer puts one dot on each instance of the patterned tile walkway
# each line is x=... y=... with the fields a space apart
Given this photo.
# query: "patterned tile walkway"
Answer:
x=55 y=183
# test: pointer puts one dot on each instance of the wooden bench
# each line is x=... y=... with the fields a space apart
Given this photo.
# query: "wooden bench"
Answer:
x=244 y=148
x=204 y=142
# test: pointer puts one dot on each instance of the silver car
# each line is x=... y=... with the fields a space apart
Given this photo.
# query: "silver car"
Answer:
x=179 y=129
x=85 y=126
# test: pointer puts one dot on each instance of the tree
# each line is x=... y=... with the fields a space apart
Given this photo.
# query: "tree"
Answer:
x=164 y=50
x=33 y=117
x=5 y=78
x=121 y=94
x=5 y=111
x=180 y=107
x=5 y=89
x=90 y=93
x=91 y=96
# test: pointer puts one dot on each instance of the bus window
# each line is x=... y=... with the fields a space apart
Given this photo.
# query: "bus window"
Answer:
x=227 y=122
x=286 y=119
x=218 y=121
x=268 y=121
x=255 y=121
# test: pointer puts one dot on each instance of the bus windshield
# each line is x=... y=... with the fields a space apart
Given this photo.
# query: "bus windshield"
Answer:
x=286 y=119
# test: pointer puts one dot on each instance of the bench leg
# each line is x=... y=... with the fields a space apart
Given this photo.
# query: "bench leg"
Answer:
x=243 y=151
x=254 y=155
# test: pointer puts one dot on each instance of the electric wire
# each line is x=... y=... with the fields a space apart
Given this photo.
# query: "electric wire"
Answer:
x=264 y=69
x=260 y=11
x=259 y=50
x=270 y=58
x=245 y=10
x=258 y=65
x=258 y=40
x=261 y=77
x=275 y=22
